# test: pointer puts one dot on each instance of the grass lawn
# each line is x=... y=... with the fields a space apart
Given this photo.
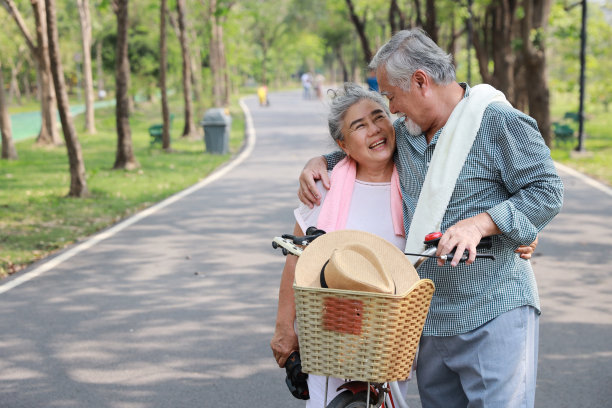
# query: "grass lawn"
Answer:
x=36 y=218
x=597 y=159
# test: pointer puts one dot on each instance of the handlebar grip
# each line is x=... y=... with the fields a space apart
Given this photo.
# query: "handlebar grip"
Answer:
x=465 y=256
x=433 y=238
x=485 y=243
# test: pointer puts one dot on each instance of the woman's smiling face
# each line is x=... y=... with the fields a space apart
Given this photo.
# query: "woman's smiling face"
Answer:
x=369 y=137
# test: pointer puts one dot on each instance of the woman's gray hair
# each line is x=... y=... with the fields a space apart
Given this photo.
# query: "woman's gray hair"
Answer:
x=409 y=50
x=341 y=101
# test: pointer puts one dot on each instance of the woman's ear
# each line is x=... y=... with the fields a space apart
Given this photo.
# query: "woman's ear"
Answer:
x=342 y=145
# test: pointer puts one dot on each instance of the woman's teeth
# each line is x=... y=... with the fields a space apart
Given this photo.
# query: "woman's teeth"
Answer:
x=379 y=143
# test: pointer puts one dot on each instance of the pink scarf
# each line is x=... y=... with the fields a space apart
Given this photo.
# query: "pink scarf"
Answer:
x=335 y=208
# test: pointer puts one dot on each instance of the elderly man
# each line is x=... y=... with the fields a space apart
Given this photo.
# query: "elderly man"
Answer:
x=471 y=166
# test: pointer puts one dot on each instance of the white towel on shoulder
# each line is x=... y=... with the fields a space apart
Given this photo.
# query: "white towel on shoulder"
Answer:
x=452 y=148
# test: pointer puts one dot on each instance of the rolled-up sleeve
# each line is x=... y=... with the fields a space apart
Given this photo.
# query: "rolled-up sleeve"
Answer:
x=334 y=158
x=529 y=175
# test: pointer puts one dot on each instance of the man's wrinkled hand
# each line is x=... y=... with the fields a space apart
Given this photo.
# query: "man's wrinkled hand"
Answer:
x=315 y=169
x=464 y=235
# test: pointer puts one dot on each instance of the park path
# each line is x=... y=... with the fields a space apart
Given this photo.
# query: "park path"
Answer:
x=175 y=308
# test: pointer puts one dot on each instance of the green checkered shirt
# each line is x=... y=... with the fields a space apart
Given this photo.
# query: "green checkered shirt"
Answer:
x=509 y=174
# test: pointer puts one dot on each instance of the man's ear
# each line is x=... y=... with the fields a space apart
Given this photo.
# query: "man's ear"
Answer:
x=420 y=79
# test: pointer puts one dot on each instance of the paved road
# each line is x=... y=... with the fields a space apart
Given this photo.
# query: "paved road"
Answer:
x=176 y=308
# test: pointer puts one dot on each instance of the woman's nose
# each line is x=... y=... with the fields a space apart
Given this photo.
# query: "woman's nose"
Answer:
x=374 y=128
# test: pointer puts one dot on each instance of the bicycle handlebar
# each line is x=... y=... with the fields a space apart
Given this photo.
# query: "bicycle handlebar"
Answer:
x=289 y=244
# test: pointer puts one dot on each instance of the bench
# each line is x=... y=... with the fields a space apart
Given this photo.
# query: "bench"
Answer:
x=563 y=131
x=156 y=132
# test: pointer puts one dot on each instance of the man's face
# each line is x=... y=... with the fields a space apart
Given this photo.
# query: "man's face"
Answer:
x=401 y=102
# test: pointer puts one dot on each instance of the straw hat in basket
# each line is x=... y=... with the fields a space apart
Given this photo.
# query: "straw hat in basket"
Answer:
x=356 y=261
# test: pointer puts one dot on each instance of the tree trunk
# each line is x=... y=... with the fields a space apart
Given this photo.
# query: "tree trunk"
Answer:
x=430 y=20
x=196 y=72
x=14 y=83
x=163 y=53
x=48 y=131
x=85 y=20
x=492 y=41
x=417 y=12
x=534 y=52
x=225 y=72
x=78 y=183
x=345 y=75
x=124 y=158
x=189 y=129
x=100 y=70
x=360 y=27
x=503 y=55
x=215 y=59
x=218 y=60
x=397 y=19
x=8 y=147
x=264 y=61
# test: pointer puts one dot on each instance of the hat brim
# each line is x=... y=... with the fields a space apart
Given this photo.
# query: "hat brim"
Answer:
x=314 y=256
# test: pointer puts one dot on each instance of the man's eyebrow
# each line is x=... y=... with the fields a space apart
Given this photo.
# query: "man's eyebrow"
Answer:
x=384 y=93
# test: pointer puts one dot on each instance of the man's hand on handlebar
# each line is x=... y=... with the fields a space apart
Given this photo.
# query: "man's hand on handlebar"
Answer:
x=465 y=236
x=315 y=169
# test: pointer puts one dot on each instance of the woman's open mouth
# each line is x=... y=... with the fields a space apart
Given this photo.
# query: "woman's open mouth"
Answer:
x=378 y=144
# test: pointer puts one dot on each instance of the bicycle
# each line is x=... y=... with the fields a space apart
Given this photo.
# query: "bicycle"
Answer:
x=361 y=394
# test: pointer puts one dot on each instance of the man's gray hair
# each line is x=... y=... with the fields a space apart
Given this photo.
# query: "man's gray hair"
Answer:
x=409 y=50
x=341 y=101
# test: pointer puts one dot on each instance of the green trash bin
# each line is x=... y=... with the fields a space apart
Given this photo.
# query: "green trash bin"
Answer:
x=217 y=123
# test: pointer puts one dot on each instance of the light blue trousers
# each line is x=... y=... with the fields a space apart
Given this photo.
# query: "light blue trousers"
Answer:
x=492 y=366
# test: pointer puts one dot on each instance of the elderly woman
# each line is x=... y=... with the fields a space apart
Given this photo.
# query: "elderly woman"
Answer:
x=364 y=195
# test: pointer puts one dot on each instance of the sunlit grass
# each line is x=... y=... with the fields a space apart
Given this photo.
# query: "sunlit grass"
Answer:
x=597 y=159
x=37 y=219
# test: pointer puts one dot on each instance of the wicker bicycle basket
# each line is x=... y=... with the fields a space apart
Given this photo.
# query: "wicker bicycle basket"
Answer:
x=360 y=335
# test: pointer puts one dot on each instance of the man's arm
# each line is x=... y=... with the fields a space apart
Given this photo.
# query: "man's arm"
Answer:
x=535 y=192
x=316 y=169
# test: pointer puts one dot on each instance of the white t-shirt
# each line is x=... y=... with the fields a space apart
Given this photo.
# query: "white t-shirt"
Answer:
x=370 y=211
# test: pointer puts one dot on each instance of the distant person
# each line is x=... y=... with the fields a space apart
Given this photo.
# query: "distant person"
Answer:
x=371 y=81
x=318 y=83
x=262 y=93
x=306 y=84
